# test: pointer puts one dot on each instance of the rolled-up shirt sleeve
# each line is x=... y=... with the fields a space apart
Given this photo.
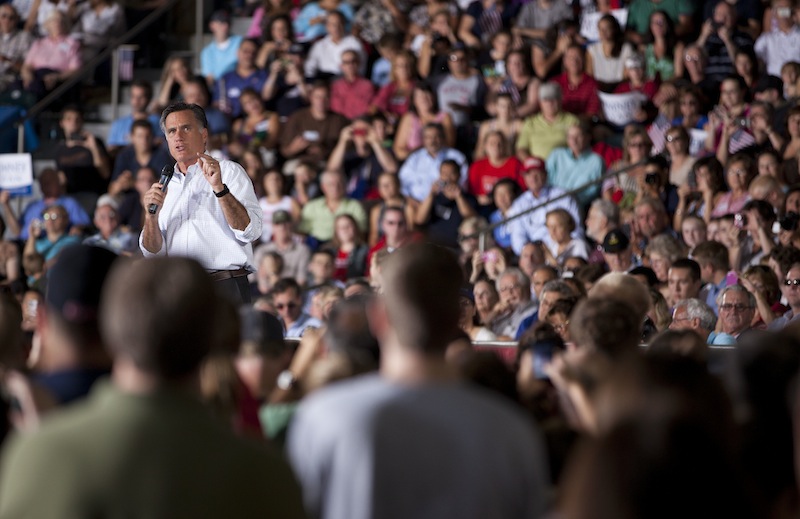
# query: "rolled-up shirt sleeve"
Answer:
x=235 y=177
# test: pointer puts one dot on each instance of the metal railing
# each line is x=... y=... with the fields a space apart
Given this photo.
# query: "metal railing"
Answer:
x=485 y=230
x=89 y=66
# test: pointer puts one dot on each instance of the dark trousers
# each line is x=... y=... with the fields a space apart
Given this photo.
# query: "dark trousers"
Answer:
x=236 y=290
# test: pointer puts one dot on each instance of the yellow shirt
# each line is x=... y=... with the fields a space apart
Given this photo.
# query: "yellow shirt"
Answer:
x=540 y=137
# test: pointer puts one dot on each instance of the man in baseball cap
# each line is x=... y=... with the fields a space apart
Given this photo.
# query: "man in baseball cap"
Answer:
x=71 y=356
x=617 y=251
x=536 y=202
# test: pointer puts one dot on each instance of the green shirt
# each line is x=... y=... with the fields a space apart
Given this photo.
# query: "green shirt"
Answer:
x=317 y=219
x=160 y=455
x=540 y=137
x=639 y=12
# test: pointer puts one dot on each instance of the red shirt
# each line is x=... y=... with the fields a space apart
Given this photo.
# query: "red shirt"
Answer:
x=649 y=88
x=581 y=99
x=390 y=101
x=340 y=271
x=483 y=176
x=351 y=100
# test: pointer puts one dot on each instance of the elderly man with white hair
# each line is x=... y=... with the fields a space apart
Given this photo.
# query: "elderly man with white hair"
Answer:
x=515 y=305
x=693 y=314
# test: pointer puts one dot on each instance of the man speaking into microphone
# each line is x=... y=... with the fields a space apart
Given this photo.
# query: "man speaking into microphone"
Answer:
x=208 y=210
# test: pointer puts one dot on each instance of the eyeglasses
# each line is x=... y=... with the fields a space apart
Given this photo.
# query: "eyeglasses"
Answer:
x=637 y=145
x=673 y=138
x=455 y=58
x=790 y=282
x=508 y=288
x=561 y=327
x=737 y=307
x=289 y=306
x=739 y=172
x=690 y=58
x=50 y=216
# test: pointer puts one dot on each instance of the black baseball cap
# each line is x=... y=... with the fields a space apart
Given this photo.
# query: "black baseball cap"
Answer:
x=615 y=241
x=75 y=282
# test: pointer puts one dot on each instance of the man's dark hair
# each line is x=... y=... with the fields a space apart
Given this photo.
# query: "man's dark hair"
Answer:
x=180 y=106
x=436 y=126
x=763 y=208
x=452 y=163
x=200 y=82
x=324 y=252
x=712 y=252
x=348 y=334
x=146 y=86
x=785 y=257
x=284 y=285
x=422 y=285
x=141 y=123
x=691 y=265
x=160 y=314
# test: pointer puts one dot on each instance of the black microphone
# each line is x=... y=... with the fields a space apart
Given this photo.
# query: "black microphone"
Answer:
x=166 y=176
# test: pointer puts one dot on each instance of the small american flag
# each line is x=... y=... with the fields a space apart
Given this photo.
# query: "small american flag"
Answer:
x=658 y=132
x=740 y=140
x=125 y=63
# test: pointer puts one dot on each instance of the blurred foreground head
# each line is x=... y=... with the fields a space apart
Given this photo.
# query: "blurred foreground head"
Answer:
x=160 y=314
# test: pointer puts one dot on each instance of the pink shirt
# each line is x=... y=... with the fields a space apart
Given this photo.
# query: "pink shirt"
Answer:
x=352 y=100
x=61 y=55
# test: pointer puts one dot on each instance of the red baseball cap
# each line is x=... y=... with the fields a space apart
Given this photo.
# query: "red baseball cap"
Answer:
x=533 y=163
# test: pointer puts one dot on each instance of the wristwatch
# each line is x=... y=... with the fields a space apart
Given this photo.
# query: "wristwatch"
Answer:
x=222 y=193
x=286 y=380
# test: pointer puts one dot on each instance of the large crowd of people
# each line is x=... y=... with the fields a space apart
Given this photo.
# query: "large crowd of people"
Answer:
x=603 y=194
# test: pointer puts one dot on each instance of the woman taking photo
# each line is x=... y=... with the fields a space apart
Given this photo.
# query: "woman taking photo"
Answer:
x=256 y=128
x=279 y=38
x=701 y=192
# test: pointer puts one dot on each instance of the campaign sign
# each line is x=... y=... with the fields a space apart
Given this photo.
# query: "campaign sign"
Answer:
x=16 y=173
x=589 y=23
x=619 y=109
x=697 y=142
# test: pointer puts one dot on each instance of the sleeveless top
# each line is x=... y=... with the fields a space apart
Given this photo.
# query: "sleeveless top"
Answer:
x=608 y=69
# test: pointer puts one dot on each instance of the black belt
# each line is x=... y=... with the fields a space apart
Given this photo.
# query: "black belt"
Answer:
x=220 y=275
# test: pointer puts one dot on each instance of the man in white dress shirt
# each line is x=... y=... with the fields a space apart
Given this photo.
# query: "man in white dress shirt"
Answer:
x=209 y=211
x=531 y=227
